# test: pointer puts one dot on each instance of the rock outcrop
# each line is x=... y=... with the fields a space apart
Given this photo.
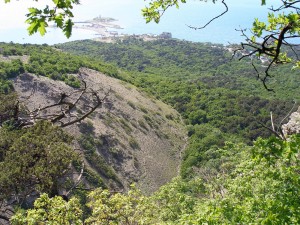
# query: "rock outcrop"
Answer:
x=293 y=126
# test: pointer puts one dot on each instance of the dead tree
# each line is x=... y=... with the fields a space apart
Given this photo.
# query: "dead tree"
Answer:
x=63 y=112
x=277 y=130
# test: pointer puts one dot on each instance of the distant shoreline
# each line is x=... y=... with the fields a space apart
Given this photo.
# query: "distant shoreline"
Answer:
x=100 y=25
x=106 y=30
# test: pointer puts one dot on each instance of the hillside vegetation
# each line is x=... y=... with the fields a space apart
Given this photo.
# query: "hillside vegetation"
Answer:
x=232 y=169
x=218 y=96
x=129 y=120
x=131 y=138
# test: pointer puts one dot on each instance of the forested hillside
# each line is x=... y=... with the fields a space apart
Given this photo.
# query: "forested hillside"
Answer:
x=234 y=170
x=218 y=96
x=126 y=136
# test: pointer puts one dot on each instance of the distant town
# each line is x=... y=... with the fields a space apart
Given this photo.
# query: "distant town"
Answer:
x=109 y=31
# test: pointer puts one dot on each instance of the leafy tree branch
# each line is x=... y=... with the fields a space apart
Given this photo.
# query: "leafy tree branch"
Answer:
x=275 y=39
x=60 y=14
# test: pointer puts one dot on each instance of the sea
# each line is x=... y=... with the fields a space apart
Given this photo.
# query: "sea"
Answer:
x=128 y=14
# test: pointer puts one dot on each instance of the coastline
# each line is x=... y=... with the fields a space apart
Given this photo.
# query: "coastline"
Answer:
x=103 y=26
x=107 y=30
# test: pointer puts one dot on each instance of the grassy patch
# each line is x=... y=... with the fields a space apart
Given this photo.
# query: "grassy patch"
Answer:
x=143 y=125
x=133 y=143
x=125 y=125
x=89 y=144
x=143 y=109
x=131 y=104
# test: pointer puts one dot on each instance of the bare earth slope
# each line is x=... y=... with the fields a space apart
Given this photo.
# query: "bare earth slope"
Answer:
x=139 y=138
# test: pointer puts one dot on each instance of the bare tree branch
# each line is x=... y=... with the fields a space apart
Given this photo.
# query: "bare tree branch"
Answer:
x=77 y=181
x=288 y=114
x=277 y=134
x=216 y=17
x=61 y=112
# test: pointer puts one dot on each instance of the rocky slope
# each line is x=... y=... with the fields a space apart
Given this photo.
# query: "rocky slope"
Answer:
x=131 y=138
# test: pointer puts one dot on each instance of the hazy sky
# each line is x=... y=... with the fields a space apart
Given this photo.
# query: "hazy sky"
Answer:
x=195 y=13
x=13 y=14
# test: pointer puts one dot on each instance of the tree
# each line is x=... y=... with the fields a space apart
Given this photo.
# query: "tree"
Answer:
x=275 y=39
x=60 y=112
x=118 y=208
x=50 y=211
x=60 y=13
x=7 y=107
x=32 y=161
x=106 y=208
x=33 y=157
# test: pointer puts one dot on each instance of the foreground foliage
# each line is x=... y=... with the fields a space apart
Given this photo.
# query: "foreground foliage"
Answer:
x=50 y=211
x=33 y=160
x=59 y=12
x=259 y=184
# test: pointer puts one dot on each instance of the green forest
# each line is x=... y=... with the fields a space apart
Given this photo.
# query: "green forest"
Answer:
x=233 y=171
x=224 y=108
x=219 y=97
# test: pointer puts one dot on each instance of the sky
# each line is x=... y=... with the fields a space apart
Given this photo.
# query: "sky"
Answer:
x=13 y=14
x=196 y=13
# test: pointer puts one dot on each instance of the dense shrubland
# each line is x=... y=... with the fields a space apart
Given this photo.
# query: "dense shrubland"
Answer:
x=217 y=95
x=233 y=170
x=47 y=61
x=36 y=158
x=257 y=184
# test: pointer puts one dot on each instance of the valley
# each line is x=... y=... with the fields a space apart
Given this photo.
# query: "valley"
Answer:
x=132 y=134
x=182 y=131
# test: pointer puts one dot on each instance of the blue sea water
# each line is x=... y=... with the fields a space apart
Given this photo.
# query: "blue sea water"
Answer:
x=128 y=13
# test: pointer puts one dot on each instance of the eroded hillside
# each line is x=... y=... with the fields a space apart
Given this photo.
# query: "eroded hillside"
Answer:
x=131 y=138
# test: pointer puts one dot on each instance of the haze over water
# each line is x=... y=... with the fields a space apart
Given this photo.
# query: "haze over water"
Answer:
x=128 y=13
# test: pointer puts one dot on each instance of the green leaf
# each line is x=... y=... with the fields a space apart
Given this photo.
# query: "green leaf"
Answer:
x=55 y=2
x=34 y=25
x=59 y=20
x=33 y=11
x=42 y=28
x=68 y=28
